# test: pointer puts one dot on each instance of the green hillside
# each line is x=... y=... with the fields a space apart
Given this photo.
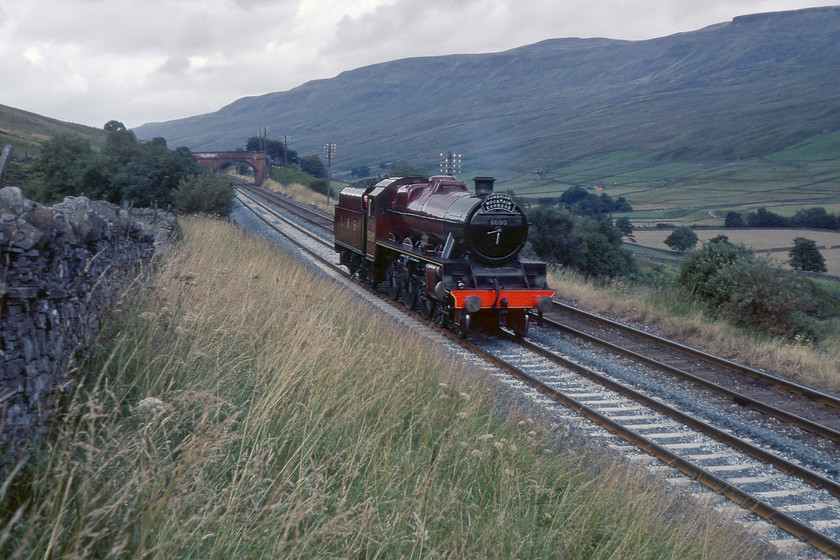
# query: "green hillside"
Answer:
x=742 y=89
x=25 y=131
x=661 y=189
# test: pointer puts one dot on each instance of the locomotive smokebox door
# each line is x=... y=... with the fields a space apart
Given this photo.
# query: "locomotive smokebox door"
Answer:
x=497 y=229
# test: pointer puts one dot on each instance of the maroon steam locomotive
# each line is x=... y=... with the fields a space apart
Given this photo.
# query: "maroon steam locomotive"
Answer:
x=451 y=254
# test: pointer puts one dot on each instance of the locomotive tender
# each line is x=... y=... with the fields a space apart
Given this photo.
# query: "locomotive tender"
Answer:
x=443 y=250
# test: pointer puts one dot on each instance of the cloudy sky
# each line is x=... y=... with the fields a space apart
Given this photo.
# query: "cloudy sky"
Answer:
x=139 y=61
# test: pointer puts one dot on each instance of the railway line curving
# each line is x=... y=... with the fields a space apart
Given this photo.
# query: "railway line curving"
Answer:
x=782 y=470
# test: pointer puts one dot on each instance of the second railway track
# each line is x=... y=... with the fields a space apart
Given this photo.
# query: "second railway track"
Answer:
x=782 y=476
x=815 y=412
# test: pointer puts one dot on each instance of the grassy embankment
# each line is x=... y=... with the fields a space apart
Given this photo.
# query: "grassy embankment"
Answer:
x=293 y=184
x=244 y=408
x=678 y=317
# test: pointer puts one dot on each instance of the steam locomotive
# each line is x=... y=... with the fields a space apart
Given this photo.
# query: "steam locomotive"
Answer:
x=437 y=247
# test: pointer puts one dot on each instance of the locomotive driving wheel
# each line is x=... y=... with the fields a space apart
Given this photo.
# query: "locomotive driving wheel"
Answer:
x=441 y=315
x=425 y=304
x=410 y=291
x=394 y=279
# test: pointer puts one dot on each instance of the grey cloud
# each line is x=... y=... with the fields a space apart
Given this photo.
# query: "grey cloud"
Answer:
x=116 y=46
x=288 y=6
x=174 y=65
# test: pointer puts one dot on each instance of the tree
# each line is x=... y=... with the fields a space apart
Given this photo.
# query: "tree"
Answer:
x=550 y=235
x=126 y=171
x=114 y=126
x=754 y=293
x=764 y=218
x=600 y=252
x=581 y=201
x=121 y=146
x=573 y=195
x=621 y=205
x=733 y=220
x=205 y=193
x=682 y=239
x=146 y=173
x=816 y=217
x=704 y=271
x=589 y=245
x=804 y=255
x=70 y=167
x=624 y=226
x=314 y=166
x=775 y=301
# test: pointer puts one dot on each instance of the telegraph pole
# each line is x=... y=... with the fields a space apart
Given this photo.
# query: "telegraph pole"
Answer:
x=450 y=164
x=285 y=161
x=262 y=134
x=329 y=150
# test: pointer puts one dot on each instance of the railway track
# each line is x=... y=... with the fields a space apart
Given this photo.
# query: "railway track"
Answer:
x=782 y=470
x=319 y=220
x=815 y=412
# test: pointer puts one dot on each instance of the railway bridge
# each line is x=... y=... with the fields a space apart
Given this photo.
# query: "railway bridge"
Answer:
x=214 y=161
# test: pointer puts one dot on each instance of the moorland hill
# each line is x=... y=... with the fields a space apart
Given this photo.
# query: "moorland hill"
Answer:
x=738 y=89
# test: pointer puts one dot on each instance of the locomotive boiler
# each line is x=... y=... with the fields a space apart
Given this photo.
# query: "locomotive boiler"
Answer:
x=450 y=253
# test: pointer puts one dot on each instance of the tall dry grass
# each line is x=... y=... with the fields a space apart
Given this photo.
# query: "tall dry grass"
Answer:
x=299 y=192
x=243 y=407
x=676 y=316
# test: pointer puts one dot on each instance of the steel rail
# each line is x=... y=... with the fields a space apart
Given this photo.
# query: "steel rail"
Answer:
x=793 y=526
x=804 y=423
x=316 y=218
x=290 y=223
x=791 y=386
x=753 y=451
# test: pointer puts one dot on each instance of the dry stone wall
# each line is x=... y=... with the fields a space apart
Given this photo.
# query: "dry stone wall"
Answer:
x=61 y=269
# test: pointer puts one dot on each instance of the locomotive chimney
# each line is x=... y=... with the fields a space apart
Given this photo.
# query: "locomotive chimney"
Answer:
x=483 y=185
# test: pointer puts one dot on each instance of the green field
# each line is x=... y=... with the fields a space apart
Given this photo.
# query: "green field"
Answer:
x=773 y=243
x=685 y=193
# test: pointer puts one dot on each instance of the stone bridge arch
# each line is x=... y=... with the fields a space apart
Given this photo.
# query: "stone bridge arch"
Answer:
x=216 y=160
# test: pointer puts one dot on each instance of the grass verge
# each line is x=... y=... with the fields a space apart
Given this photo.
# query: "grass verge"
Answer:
x=300 y=192
x=244 y=408
x=677 y=317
